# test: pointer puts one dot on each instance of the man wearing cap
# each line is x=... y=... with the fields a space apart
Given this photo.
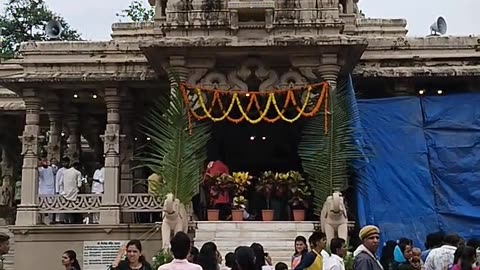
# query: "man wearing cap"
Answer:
x=365 y=258
x=4 y=247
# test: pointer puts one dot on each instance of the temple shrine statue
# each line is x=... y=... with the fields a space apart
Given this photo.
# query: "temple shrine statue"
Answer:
x=174 y=219
x=333 y=218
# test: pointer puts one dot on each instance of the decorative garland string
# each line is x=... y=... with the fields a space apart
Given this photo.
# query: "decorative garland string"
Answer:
x=253 y=99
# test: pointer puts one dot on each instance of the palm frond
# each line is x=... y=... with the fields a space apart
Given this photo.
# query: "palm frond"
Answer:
x=326 y=158
x=172 y=152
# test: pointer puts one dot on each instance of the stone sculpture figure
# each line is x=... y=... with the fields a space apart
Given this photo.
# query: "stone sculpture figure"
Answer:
x=174 y=219
x=334 y=220
x=356 y=10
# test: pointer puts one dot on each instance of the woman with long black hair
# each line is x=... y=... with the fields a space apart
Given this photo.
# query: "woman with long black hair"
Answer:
x=134 y=259
x=465 y=259
x=208 y=257
x=301 y=249
x=244 y=259
x=69 y=260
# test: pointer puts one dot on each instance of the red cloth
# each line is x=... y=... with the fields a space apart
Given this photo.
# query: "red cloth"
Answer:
x=215 y=169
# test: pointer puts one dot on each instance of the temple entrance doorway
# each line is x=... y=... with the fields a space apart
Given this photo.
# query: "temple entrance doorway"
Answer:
x=256 y=148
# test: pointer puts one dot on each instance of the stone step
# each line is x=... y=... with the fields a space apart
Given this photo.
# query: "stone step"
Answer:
x=277 y=238
x=277 y=226
x=247 y=234
x=9 y=261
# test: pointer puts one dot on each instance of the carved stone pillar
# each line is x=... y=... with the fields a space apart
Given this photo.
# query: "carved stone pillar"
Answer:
x=28 y=208
x=329 y=69
x=73 y=141
x=127 y=119
x=110 y=209
x=54 y=142
x=127 y=116
x=6 y=189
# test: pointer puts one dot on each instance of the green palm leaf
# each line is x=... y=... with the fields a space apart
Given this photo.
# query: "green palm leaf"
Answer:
x=326 y=158
x=173 y=153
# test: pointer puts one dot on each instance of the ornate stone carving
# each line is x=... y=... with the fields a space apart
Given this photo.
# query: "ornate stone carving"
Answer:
x=291 y=79
x=215 y=80
x=111 y=139
x=135 y=202
x=6 y=190
x=84 y=203
x=268 y=77
x=30 y=140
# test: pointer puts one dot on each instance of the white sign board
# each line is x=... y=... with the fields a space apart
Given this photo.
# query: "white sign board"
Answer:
x=98 y=255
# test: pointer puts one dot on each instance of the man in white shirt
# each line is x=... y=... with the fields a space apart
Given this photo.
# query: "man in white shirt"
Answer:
x=60 y=218
x=339 y=250
x=46 y=185
x=72 y=181
x=442 y=258
x=97 y=186
x=180 y=248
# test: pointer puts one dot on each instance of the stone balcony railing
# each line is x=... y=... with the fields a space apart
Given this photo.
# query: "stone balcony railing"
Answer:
x=91 y=203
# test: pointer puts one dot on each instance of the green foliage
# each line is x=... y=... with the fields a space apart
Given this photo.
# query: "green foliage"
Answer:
x=173 y=153
x=326 y=158
x=162 y=257
x=137 y=12
x=25 y=20
x=348 y=261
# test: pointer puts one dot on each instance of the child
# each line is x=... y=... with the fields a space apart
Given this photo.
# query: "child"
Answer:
x=416 y=261
x=281 y=266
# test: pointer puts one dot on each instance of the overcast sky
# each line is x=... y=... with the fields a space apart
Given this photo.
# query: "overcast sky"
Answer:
x=93 y=18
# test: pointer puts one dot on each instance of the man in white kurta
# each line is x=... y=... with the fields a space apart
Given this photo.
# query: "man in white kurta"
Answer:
x=97 y=186
x=60 y=218
x=46 y=185
x=72 y=181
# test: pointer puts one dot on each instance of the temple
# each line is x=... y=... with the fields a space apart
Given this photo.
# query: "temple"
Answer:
x=86 y=100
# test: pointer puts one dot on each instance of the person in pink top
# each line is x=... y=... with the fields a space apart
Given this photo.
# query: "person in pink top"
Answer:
x=467 y=257
x=180 y=247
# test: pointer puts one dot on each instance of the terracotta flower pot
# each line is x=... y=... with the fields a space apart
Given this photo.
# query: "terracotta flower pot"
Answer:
x=237 y=215
x=213 y=214
x=299 y=215
x=267 y=215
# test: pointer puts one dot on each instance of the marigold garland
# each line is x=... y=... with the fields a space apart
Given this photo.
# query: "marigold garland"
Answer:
x=253 y=100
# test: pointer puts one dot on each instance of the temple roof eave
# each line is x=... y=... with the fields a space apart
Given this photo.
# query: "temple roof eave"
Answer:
x=26 y=77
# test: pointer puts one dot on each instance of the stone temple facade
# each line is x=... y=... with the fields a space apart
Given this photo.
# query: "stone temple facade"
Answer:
x=86 y=99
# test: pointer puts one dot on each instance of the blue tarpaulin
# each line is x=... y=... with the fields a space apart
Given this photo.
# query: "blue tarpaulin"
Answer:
x=423 y=173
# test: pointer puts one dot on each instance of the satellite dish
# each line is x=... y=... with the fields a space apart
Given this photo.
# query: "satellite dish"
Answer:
x=53 y=30
x=439 y=27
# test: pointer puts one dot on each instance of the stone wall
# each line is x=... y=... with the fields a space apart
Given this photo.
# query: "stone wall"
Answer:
x=41 y=248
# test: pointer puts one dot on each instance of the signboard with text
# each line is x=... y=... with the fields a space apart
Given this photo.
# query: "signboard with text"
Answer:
x=98 y=255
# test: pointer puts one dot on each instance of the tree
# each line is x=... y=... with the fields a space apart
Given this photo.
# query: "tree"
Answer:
x=25 y=20
x=176 y=151
x=137 y=12
x=327 y=159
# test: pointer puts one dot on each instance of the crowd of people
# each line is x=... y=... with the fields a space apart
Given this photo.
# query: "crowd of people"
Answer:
x=443 y=252
x=65 y=179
